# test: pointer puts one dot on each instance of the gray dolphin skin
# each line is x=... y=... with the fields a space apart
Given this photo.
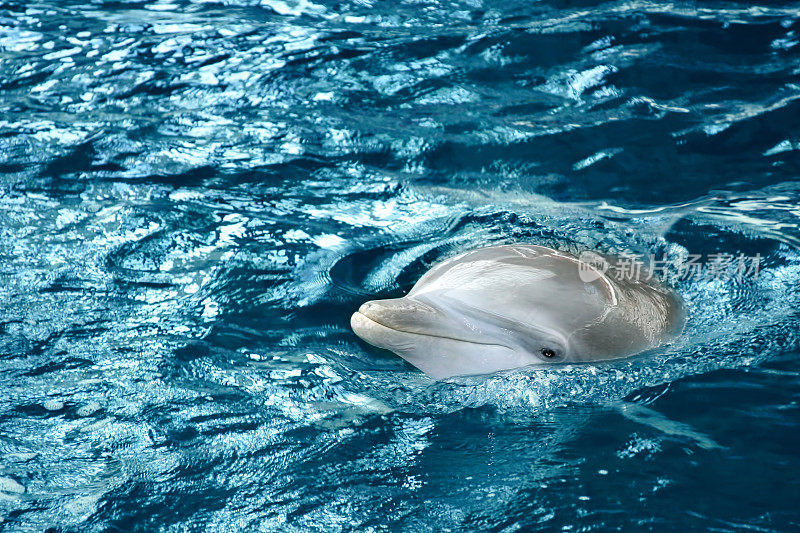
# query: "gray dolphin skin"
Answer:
x=506 y=307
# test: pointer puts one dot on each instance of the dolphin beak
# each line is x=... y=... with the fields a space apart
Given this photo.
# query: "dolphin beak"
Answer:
x=429 y=340
x=401 y=314
x=362 y=326
x=376 y=333
x=387 y=323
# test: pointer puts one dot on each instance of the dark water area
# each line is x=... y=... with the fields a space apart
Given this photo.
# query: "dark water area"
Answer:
x=196 y=195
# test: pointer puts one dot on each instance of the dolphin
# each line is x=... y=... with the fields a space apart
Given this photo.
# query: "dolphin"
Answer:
x=507 y=307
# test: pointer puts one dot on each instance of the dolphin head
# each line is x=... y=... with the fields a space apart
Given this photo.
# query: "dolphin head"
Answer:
x=487 y=310
x=507 y=307
x=446 y=336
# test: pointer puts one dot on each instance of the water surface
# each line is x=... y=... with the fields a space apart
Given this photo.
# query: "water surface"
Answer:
x=196 y=195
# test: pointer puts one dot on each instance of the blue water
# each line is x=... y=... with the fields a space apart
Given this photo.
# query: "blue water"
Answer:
x=196 y=195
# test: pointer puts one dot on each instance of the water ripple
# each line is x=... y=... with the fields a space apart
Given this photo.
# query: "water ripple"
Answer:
x=195 y=196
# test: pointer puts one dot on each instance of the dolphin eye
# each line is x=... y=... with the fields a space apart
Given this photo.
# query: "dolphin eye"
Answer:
x=548 y=353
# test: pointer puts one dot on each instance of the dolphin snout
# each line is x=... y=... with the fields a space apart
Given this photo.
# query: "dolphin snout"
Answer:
x=402 y=314
x=387 y=323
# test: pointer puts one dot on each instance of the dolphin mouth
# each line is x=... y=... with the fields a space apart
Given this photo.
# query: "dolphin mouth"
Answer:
x=360 y=316
x=438 y=356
